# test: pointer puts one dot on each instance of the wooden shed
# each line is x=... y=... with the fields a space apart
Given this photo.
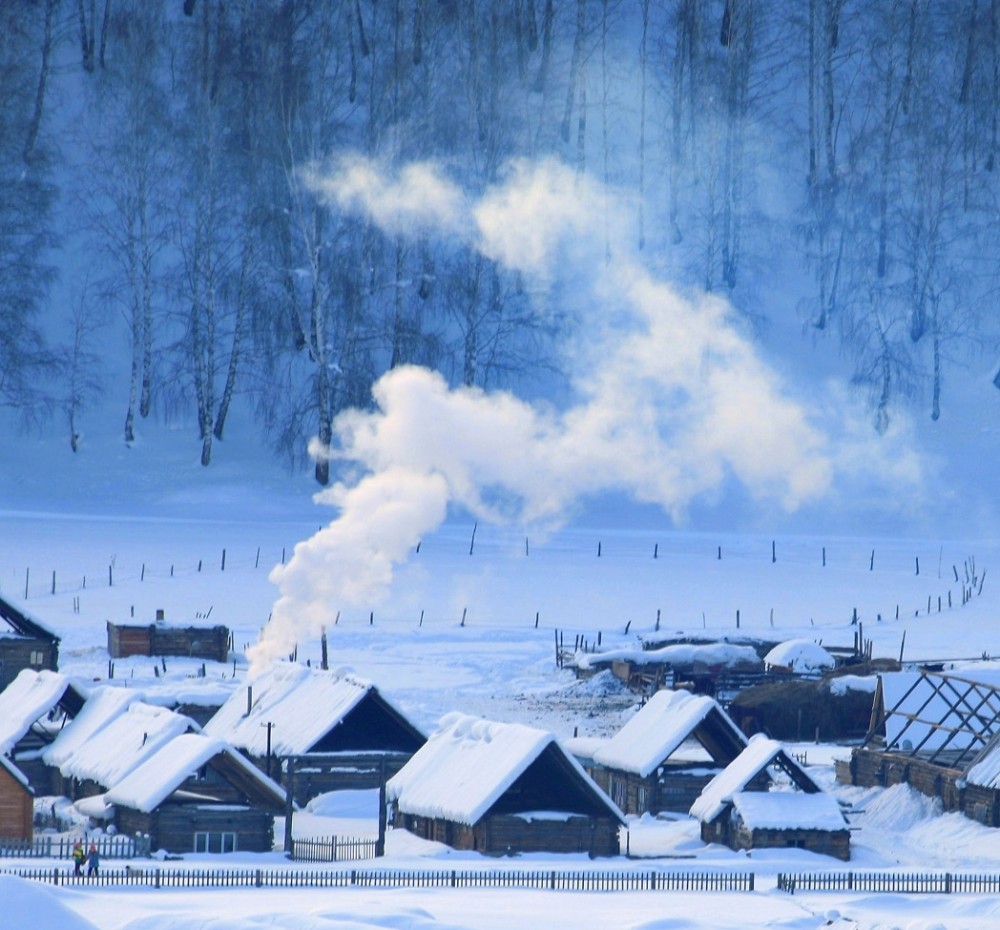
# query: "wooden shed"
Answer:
x=502 y=789
x=16 y=803
x=160 y=638
x=666 y=754
x=766 y=800
x=293 y=711
x=25 y=643
x=198 y=795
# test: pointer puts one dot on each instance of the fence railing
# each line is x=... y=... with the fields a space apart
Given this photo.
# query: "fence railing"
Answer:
x=61 y=847
x=897 y=882
x=333 y=849
x=155 y=877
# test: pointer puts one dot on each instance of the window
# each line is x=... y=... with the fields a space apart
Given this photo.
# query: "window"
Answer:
x=618 y=792
x=640 y=800
x=37 y=657
x=205 y=842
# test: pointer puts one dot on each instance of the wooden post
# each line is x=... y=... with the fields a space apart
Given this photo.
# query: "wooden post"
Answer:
x=289 y=803
x=324 y=657
x=774 y=552
x=871 y=563
x=380 y=842
x=472 y=542
x=223 y=560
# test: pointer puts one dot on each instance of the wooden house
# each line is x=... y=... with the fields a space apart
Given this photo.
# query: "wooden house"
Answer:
x=160 y=638
x=666 y=754
x=195 y=794
x=34 y=709
x=292 y=711
x=25 y=643
x=17 y=801
x=502 y=789
x=766 y=800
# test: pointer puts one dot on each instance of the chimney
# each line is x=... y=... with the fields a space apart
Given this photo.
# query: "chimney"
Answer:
x=159 y=615
x=249 y=700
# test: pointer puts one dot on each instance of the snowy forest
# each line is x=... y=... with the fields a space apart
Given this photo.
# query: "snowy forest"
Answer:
x=829 y=165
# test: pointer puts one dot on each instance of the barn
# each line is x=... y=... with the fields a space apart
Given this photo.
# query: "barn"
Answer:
x=502 y=789
x=352 y=732
x=17 y=802
x=665 y=754
x=194 y=640
x=25 y=643
x=766 y=800
x=196 y=794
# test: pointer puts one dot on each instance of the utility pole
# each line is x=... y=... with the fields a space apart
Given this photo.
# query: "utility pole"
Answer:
x=269 y=726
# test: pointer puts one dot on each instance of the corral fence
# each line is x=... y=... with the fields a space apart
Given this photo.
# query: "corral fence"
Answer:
x=154 y=877
x=897 y=882
x=61 y=847
x=333 y=849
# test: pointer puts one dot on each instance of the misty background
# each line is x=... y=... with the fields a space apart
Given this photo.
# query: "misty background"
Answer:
x=815 y=182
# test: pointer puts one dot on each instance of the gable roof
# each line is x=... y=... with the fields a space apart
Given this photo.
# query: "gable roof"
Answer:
x=149 y=784
x=24 y=625
x=469 y=763
x=760 y=754
x=30 y=697
x=124 y=743
x=302 y=704
x=662 y=724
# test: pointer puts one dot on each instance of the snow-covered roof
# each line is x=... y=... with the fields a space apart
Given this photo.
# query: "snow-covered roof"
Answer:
x=28 y=698
x=124 y=743
x=760 y=753
x=103 y=705
x=468 y=764
x=789 y=810
x=666 y=720
x=800 y=655
x=15 y=773
x=678 y=654
x=302 y=704
x=152 y=782
x=22 y=623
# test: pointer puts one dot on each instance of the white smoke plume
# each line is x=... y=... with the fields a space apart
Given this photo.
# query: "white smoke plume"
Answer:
x=672 y=398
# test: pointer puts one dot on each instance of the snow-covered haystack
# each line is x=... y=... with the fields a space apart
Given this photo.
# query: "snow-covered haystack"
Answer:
x=800 y=656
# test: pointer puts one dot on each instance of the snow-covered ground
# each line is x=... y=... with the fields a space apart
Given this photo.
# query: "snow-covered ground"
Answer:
x=515 y=598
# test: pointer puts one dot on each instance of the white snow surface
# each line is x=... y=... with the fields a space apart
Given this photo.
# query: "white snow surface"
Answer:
x=102 y=706
x=663 y=723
